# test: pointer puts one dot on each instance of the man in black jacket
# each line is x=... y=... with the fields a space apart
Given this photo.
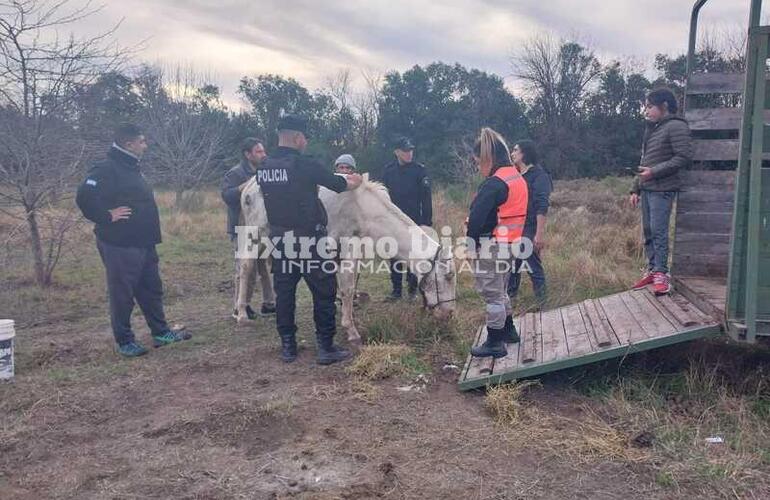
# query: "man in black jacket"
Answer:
x=409 y=188
x=116 y=197
x=235 y=180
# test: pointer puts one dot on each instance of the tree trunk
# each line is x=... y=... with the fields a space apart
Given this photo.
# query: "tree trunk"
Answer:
x=179 y=199
x=42 y=278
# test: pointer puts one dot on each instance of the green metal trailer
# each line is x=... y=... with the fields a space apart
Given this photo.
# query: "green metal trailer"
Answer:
x=721 y=249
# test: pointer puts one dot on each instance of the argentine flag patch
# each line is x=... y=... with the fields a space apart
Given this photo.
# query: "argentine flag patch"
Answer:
x=90 y=182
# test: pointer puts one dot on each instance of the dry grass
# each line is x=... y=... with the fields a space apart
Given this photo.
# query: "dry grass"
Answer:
x=661 y=421
x=505 y=404
x=363 y=390
x=582 y=439
x=380 y=361
x=201 y=216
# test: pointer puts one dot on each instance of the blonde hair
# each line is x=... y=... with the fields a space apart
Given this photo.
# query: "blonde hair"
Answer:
x=491 y=149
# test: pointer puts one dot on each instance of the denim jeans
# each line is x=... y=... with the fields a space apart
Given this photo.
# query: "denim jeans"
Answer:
x=656 y=217
x=537 y=275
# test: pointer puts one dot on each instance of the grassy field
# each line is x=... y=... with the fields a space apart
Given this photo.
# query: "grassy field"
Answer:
x=221 y=417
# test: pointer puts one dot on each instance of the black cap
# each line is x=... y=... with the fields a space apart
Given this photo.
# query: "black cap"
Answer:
x=404 y=144
x=294 y=123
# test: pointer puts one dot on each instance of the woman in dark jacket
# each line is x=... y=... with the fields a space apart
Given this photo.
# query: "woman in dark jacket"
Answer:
x=524 y=156
x=667 y=149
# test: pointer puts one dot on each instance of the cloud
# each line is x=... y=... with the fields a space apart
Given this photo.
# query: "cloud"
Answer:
x=310 y=40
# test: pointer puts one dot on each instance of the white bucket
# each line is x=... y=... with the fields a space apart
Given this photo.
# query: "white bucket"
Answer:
x=7 y=333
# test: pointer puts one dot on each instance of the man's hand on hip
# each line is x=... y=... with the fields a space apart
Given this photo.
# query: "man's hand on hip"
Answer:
x=120 y=213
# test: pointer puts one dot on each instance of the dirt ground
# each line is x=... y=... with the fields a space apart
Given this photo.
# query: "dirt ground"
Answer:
x=221 y=416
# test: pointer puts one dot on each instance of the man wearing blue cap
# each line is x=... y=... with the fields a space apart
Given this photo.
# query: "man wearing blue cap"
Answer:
x=289 y=182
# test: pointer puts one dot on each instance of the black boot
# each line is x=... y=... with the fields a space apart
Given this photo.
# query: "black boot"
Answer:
x=328 y=353
x=511 y=336
x=493 y=346
x=288 y=348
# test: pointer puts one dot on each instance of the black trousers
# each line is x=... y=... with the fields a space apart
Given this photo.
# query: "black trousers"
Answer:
x=319 y=274
x=397 y=270
x=133 y=275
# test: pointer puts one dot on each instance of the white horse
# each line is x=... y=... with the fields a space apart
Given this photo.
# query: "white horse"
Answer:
x=362 y=217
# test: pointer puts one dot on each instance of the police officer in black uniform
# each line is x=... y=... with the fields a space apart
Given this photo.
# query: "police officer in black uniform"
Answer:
x=409 y=188
x=119 y=201
x=289 y=183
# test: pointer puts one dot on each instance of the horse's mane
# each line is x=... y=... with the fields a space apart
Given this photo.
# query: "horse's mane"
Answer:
x=380 y=192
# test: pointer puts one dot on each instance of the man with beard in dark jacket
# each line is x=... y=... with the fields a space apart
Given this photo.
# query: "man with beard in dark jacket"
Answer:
x=667 y=149
x=116 y=197
x=409 y=188
x=235 y=180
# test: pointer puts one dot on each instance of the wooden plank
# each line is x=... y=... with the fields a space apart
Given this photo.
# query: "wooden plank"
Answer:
x=715 y=83
x=511 y=361
x=663 y=311
x=658 y=323
x=715 y=238
x=576 y=331
x=706 y=222
x=539 y=337
x=698 y=179
x=700 y=265
x=534 y=370
x=646 y=331
x=705 y=205
x=702 y=247
x=469 y=359
x=529 y=340
x=707 y=294
x=621 y=320
x=717 y=150
x=693 y=311
x=480 y=366
x=699 y=194
x=554 y=337
x=717 y=118
x=599 y=325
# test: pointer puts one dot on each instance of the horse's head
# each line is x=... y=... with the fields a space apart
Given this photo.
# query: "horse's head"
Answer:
x=438 y=286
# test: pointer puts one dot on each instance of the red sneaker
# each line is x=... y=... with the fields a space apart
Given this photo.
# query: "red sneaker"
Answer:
x=661 y=284
x=647 y=279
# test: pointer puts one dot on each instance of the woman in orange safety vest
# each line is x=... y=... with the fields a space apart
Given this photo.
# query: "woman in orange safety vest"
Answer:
x=495 y=224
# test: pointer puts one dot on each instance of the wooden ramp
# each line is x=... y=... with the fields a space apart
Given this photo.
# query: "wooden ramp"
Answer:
x=590 y=331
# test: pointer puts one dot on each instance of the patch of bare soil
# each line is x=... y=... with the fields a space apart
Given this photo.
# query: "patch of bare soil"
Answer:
x=222 y=417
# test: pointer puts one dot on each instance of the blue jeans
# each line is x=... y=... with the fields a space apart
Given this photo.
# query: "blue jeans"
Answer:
x=537 y=275
x=656 y=218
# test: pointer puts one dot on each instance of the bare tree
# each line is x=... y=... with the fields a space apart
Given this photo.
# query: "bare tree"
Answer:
x=558 y=75
x=366 y=107
x=464 y=169
x=359 y=103
x=339 y=88
x=40 y=153
x=186 y=123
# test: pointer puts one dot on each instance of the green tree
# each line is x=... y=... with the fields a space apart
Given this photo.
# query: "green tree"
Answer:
x=442 y=107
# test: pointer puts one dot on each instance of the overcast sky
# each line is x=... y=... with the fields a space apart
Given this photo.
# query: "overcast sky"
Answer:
x=310 y=40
